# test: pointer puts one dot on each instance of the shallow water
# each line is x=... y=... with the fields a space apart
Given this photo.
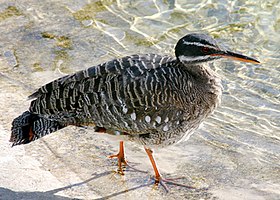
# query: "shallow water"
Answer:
x=235 y=153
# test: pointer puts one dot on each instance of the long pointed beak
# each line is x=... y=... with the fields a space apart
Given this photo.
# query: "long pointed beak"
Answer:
x=236 y=56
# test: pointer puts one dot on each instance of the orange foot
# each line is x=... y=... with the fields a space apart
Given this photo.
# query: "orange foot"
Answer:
x=158 y=178
x=170 y=181
x=121 y=159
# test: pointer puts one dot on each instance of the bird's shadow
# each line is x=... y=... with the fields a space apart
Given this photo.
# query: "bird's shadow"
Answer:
x=124 y=191
x=8 y=194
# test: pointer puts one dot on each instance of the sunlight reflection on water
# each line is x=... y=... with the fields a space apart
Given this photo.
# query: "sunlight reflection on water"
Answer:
x=241 y=137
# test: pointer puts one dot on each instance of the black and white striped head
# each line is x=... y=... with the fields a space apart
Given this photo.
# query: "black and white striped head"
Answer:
x=196 y=48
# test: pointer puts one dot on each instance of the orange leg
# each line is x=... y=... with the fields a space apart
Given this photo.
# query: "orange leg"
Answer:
x=120 y=156
x=158 y=177
x=157 y=174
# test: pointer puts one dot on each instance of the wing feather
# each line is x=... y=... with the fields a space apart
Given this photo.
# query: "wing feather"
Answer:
x=109 y=93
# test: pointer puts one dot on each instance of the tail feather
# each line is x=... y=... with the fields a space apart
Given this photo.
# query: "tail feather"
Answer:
x=29 y=127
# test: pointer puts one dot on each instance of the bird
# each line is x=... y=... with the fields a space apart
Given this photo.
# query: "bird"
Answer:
x=153 y=100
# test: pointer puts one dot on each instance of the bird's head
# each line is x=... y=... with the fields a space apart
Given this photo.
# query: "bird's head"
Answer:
x=197 y=48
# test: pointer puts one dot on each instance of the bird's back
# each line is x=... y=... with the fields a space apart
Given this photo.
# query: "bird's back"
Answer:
x=155 y=100
x=150 y=97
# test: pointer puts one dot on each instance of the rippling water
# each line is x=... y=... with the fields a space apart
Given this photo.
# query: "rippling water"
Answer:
x=236 y=152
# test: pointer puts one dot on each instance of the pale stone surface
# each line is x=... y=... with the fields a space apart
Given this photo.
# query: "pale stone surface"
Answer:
x=235 y=154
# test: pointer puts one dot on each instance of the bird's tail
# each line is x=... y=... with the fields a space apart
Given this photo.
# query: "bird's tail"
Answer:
x=28 y=127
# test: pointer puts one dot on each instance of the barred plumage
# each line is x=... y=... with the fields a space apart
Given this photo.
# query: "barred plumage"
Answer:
x=156 y=100
x=122 y=93
x=153 y=100
x=28 y=127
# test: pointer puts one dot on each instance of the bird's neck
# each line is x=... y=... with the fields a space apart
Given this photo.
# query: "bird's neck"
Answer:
x=207 y=81
x=203 y=73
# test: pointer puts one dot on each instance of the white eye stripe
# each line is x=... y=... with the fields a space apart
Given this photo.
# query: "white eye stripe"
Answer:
x=200 y=45
x=193 y=58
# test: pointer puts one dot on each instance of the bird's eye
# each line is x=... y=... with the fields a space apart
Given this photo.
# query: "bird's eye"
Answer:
x=205 y=49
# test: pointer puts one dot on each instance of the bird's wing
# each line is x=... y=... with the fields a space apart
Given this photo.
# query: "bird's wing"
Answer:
x=115 y=92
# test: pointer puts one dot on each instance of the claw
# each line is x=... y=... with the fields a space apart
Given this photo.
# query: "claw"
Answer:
x=121 y=159
x=158 y=178
x=169 y=181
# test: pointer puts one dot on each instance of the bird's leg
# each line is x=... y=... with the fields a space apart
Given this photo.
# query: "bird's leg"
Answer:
x=157 y=174
x=158 y=177
x=120 y=156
